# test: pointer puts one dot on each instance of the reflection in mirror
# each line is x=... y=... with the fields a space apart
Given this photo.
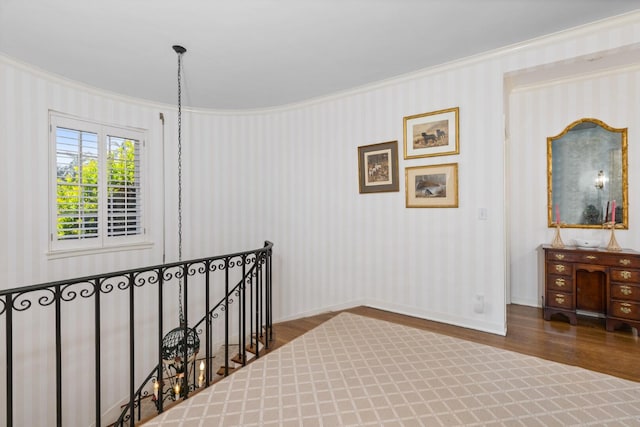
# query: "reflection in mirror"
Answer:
x=587 y=175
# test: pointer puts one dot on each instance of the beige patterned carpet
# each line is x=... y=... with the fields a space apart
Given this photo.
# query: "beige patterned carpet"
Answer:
x=357 y=371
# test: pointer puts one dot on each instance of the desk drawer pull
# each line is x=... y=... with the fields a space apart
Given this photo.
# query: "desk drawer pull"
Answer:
x=591 y=257
x=560 y=282
x=625 y=274
x=625 y=308
x=626 y=290
x=560 y=268
x=625 y=261
x=559 y=256
x=560 y=299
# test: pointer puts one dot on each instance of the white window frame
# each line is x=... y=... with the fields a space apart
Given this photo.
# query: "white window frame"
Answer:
x=103 y=242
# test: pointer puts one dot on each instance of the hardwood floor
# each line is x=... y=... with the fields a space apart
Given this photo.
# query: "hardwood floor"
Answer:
x=587 y=345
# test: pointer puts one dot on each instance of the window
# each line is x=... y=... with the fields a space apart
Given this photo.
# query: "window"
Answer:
x=97 y=193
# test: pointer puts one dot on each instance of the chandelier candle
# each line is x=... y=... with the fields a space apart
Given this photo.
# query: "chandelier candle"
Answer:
x=201 y=377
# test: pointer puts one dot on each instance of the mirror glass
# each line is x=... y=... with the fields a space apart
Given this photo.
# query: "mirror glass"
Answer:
x=587 y=175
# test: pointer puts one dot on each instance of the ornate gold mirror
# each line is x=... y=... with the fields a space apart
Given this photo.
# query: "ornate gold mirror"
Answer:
x=586 y=173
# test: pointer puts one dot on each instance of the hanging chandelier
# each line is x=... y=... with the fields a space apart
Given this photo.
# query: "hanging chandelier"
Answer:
x=175 y=345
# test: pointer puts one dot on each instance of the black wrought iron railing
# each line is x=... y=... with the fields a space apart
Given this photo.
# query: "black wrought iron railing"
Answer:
x=162 y=366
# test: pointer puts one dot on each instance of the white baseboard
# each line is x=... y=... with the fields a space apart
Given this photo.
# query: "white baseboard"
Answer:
x=476 y=324
x=526 y=301
x=337 y=307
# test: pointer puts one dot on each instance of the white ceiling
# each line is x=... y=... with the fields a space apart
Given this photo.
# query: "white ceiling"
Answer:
x=244 y=54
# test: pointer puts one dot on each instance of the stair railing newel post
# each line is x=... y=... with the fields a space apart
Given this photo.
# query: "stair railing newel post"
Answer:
x=269 y=287
x=8 y=306
x=267 y=310
x=226 y=317
x=97 y=381
x=131 y=348
x=207 y=309
x=242 y=350
x=265 y=299
x=263 y=296
x=257 y=298
x=58 y=307
x=251 y=294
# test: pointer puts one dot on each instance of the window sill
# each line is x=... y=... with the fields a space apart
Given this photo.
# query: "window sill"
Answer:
x=68 y=253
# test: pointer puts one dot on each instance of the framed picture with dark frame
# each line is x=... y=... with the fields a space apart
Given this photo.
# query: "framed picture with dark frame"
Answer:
x=434 y=186
x=431 y=134
x=378 y=167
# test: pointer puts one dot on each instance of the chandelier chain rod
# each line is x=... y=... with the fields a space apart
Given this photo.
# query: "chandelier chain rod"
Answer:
x=180 y=308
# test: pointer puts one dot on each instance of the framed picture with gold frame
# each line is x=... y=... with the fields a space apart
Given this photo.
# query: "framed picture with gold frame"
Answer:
x=431 y=134
x=434 y=186
x=378 y=167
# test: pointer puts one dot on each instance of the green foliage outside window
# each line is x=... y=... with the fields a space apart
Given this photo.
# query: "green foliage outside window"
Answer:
x=78 y=191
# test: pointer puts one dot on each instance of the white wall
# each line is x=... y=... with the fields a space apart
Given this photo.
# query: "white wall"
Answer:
x=290 y=175
x=26 y=98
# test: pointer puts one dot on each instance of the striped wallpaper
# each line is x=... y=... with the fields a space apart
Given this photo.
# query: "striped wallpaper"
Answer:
x=289 y=174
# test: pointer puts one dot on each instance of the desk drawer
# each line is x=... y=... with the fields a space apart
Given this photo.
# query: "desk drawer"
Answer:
x=561 y=268
x=626 y=276
x=560 y=283
x=579 y=256
x=560 y=300
x=623 y=261
x=564 y=256
x=625 y=310
x=595 y=257
x=625 y=292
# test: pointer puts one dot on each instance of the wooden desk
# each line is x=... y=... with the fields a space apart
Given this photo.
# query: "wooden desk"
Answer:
x=595 y=281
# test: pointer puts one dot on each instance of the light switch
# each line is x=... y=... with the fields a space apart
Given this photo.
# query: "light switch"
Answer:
x=482 y=214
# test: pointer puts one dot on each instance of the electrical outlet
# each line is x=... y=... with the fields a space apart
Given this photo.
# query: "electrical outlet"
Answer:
x=478 y=304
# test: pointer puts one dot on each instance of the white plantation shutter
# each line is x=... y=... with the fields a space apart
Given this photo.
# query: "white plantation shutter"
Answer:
x=76 y=189
x=97 y=185
x=123 y=187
